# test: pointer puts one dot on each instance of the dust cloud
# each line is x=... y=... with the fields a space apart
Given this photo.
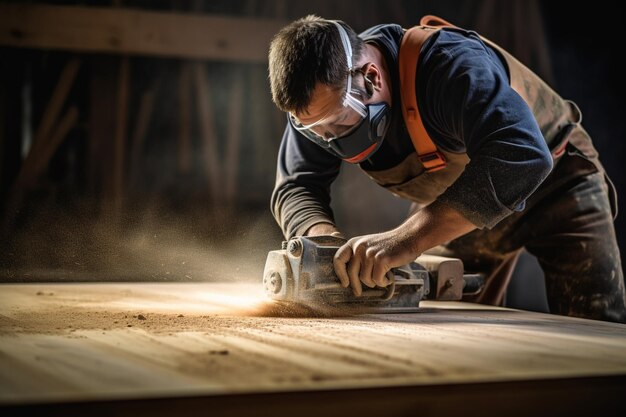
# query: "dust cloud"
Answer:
x=153 y=246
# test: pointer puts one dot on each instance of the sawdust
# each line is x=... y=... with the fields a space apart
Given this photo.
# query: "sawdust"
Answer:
x=158 y=308
x=152 y=248
x=297 y=310
x=71 y=319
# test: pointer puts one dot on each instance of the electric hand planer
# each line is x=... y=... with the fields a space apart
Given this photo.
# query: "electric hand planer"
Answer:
x=302 y=272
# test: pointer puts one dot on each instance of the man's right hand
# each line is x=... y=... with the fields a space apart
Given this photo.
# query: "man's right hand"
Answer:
x=367 y=259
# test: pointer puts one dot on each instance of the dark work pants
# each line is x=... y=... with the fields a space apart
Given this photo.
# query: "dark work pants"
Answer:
x=568 y=226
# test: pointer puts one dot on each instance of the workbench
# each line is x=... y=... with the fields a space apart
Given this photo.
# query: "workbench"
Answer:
x=224 y=349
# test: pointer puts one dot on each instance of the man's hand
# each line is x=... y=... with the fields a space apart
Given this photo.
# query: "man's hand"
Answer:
x=367 y=259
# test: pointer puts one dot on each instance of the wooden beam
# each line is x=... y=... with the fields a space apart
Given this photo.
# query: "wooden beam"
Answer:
x=184 y=119
x=144 y=115
x=3 y=117
x=51 y=115
x=233 y=139
x=121 y=124
x=57 y=135
x=102 y=114
x=47 y=139
x=34 y=167
x=208 y=134
x=133 y=31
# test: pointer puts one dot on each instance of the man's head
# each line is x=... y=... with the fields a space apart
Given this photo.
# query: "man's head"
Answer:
x=319 y=76
x=308 y=52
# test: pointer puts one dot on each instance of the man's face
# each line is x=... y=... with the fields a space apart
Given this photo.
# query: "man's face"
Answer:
x=330 y=115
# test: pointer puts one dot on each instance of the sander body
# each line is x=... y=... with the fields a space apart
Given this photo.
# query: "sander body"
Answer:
x=302 y=272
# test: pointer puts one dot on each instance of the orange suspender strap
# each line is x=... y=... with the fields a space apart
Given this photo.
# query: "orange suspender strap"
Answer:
x=410 y=48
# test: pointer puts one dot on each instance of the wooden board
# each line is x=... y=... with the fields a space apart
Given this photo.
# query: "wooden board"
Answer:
x=136 y=31
x=111 y=342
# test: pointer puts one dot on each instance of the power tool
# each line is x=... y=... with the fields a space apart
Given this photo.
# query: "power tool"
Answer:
x=302 y=272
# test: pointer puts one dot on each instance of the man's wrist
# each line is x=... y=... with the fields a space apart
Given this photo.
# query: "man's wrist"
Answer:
x=319 y=229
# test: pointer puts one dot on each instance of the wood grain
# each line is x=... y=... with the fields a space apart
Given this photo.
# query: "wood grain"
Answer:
x=70 y=342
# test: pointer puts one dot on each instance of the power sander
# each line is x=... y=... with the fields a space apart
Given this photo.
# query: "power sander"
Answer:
x=302 y=272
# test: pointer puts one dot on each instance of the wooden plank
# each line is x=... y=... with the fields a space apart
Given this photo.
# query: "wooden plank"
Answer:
x=134 y=31
x=596 y=396
x=96 y=342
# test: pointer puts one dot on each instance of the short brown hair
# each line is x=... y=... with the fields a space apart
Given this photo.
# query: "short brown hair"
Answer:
x=305 y=52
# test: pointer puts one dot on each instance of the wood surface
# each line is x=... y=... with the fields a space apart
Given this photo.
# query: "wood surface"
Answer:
x=105 y=342
x=136 y=31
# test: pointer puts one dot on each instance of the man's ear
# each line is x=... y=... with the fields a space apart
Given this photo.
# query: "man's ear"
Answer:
x=373 y=77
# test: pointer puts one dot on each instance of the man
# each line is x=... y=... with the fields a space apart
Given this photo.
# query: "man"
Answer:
x=520 y=172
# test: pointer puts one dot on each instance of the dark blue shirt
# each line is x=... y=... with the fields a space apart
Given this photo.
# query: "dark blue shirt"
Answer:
x=466 y=105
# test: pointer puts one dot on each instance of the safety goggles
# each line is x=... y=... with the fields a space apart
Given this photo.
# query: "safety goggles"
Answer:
x=362 y=140
x=344 y=122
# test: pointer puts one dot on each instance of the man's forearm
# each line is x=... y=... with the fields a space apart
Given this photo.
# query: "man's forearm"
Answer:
x=433 y=225
x=367 y=259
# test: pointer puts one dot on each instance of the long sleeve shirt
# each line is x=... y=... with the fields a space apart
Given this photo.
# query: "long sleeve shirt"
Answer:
x=466 y=105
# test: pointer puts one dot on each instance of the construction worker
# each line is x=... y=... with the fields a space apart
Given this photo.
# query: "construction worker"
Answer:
x=509 y=167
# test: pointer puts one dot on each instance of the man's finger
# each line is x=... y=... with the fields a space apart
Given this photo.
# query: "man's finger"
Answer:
x=365 y=274
x=354 y=266
x=353 y=274
x=342 y=257
x=379 y=274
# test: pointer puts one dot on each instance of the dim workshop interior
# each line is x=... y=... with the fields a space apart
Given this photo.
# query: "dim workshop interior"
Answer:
x=142 y=272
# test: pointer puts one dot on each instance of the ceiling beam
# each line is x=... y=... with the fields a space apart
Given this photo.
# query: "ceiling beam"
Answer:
x=136 y=32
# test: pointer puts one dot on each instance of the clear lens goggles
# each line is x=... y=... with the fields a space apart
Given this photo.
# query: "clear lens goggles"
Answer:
x=341 y=124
